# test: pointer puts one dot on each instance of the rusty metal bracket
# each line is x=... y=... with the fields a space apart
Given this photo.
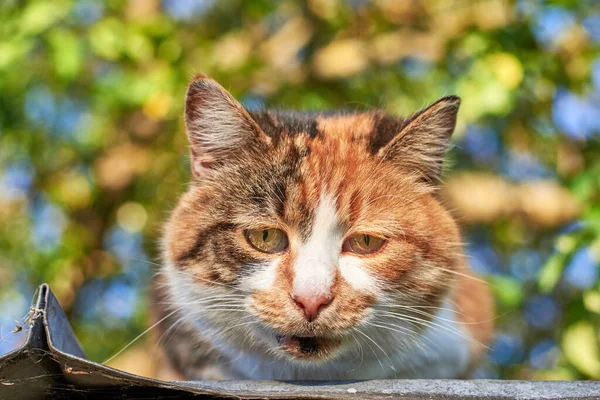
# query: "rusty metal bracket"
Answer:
x=51 y=364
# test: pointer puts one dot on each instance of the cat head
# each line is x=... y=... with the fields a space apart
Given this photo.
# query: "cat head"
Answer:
x=298 y=229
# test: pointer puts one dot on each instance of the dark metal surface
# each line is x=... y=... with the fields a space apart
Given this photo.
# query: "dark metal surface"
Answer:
x=51 y=364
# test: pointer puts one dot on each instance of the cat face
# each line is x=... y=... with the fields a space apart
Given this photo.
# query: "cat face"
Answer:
x=298 y=228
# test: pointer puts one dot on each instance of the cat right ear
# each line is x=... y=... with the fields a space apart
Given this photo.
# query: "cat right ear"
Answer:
x=218 y=127
x=421 y=144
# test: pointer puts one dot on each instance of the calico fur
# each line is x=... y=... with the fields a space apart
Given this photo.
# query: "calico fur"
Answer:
x=411 y=310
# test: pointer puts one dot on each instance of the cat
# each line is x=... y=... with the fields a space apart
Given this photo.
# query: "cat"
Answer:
x=314 y=246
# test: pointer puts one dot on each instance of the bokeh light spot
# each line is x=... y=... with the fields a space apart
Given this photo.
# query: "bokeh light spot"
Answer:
x=132 y=217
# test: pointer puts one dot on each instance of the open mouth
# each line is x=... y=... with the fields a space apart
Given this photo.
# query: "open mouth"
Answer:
x=308 y=347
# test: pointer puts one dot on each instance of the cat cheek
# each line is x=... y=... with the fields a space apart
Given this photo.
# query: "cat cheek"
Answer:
x=355 y=272
x=261 y=278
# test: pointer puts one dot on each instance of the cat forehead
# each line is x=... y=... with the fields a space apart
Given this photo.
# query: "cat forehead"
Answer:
x=375 y=128
x=328 y=155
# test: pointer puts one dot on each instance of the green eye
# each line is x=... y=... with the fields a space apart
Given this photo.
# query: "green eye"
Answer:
x=269 y=240
x=363 y=244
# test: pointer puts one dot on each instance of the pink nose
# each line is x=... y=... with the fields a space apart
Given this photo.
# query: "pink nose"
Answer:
x=311 y=305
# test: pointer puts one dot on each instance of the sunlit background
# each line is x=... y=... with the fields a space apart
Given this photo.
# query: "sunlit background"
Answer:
x=93 y=152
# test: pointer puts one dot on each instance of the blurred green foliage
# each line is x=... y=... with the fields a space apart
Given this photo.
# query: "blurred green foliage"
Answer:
x=93 y=152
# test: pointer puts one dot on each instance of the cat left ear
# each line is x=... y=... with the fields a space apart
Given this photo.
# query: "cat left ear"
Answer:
x=219 y=129
x=421 y=144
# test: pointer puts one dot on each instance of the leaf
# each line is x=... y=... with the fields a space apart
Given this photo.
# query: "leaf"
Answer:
x=593 y=218
x=38 y=16
x=66 y=53
x=591 y=300
x=13 y=51
x=107 y=38
x=508 y=290
x=551 y=271
x=138 y=46
x=580 y=347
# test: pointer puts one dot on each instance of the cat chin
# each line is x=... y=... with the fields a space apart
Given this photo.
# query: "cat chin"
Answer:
x=303 y=349
x=310 y=350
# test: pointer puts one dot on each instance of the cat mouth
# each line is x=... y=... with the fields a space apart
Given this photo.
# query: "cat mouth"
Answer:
x=308 y=347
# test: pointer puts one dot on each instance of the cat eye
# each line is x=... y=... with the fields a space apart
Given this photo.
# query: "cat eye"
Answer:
x=268 y=240
x=363 y=244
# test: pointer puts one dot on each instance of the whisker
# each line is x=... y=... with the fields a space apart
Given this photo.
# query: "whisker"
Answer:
x=204 y=300
x=253 y=322
x=373 y=350
x=141 y=334
x=195 y=277
x=360 y=351
x=415 y=338
x=463 y=275
x=457 y=312
x=167 y=331
x=433 y=324
x=383 y=351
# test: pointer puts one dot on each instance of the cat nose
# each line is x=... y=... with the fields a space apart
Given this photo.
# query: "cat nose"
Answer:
x=311 y=305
